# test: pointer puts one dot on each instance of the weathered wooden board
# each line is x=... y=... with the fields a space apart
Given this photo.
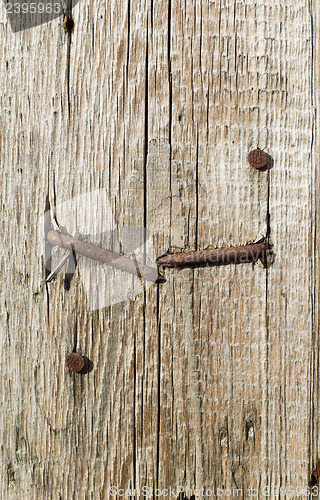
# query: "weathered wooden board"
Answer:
x=210 y=381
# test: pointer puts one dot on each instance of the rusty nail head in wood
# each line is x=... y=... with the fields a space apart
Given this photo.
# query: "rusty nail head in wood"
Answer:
x=258 y=159
x=75 y=362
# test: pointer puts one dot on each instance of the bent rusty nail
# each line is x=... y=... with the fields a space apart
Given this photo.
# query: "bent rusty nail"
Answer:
x=64 y=259
x=102 y=255
x=60 y=264
x=215 y=257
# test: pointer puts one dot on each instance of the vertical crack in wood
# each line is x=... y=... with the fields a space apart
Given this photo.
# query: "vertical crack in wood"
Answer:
x=134 y=437
x=146 y=138
x=313 y=249
x=145 y=222
x=315 y=476
x=267 y=339
x=67 y=7
x=268 y=216
x=47 y=249
x=268 y=233
x=219 y=48
x=71 y=269
x=314 y=356
x=144 y=365
x=52 y=207
x=170 y=112
x=151 y=16
x=197 y=193
x=75 y=334
x=195 y=360
x=159 y=389
x=128 y=41
x=68 y=73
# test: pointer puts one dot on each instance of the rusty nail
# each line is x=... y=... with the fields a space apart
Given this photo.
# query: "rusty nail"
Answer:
x=258 y=158
x=75 y=362
x=216 y=257
x=64 y=259
x=102 y=255
x=62 y=262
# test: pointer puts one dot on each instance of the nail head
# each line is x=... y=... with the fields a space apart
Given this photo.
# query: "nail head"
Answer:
x=258 y=158
x=75 y=362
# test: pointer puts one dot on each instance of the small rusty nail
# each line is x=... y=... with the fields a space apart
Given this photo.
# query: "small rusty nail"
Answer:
x=258 y=158
x=75 y=362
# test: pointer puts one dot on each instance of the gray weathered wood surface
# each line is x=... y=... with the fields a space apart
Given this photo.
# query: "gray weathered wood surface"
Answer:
x=210 y=380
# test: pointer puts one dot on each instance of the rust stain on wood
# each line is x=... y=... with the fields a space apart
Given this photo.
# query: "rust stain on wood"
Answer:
x=315 y=475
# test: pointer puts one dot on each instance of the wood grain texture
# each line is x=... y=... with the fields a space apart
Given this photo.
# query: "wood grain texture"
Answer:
x=212 y=379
